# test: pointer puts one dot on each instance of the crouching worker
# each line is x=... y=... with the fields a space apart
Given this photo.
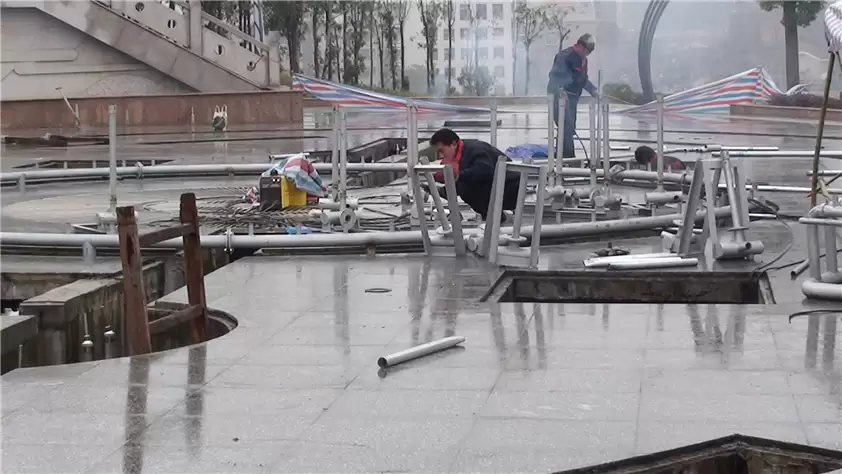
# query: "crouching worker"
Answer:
x=473 y=163
x=645 y=155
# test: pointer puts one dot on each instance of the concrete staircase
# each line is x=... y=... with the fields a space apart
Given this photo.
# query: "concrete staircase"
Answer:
x=173 y=42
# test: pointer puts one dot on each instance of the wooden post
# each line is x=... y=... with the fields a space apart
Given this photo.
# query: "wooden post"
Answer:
x=137 y=322
x=193 y=273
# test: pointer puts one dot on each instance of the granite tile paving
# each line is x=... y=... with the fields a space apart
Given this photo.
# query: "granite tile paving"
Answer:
x=536 y=387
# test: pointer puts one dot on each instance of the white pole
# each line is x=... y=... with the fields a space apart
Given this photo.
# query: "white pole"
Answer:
x=551 y=155
x=592 y=141
x=660 y=182
x=334 y=154
x=112 y=158
x=343 y=158
x=494 y=123
x=559 y=153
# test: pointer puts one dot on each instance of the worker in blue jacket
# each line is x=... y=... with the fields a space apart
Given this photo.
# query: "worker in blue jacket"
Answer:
x=569 y=75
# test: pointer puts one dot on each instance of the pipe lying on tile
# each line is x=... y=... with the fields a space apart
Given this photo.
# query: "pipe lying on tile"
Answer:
x=419 y=351
x=669 y=262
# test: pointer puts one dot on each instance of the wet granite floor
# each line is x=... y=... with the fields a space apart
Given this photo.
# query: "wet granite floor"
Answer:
x=296 y=388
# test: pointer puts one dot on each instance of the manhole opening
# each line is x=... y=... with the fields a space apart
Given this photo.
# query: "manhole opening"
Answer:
x=736 y=454
x=55 y=164
x=518 y=286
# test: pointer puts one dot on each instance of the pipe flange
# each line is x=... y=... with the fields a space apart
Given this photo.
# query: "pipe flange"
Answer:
x=229 y=236
x=615 y=174
x=348 y=219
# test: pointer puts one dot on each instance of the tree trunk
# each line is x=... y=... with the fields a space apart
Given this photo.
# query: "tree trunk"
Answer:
x=315 y=29
x=403 y=56
x=328 y=44
x=380 y=59
x=371 y=49
x=345 y=67
x=449 y=57
x=791 y=41
x=392 y=57
x=528 y=65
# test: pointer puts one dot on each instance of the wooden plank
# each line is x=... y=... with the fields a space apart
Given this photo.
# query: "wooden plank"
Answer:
x=160 y=235
x=193 y=273
x=137 y=322
x=174 y=319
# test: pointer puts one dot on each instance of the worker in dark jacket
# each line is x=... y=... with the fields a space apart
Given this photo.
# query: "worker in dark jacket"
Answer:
x=645 y=155
x=569 y=75
x=473 y=163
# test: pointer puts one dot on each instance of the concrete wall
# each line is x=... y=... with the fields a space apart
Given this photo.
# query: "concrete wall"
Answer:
x=41 y=53
x=244 y=108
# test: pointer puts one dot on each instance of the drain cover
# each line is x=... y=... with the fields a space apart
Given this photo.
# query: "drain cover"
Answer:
x=378 y=290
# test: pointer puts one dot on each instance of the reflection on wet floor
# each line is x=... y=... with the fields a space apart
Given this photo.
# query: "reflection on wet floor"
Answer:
x=536 y=387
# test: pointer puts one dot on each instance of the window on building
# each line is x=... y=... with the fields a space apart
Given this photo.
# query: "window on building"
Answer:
x=447 y=53
x=498 y=32
x=465 y=53
x=482 y=33
x=463 y=33
x=482 y=53
x=500 y=90
x=452 y=72
x=435 y=53
x=482 y=11
x=497 y=11
x=464 y=12
x=499 y=71
x=446 y=34
x=499 y=52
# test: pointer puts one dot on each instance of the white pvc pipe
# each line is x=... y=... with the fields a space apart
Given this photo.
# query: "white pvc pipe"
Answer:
x=825 y=210
x=551 y=141
x=660 y=136
x=593 y=142
x=671 y=262
x=419 y=351
x=812 y=288
x=781 y=154
x=575 y=229
x=602 y=262
x=494 y=123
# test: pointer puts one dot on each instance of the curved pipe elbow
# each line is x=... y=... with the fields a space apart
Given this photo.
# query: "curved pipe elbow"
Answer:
x=820 y=290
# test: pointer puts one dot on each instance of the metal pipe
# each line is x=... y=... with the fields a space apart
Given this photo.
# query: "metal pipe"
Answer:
x=551 y=140
x=330 y=205
x=419 y=351
x=799 y=269
x=813 y=252
x=781 y=154
x=598 y=109
x=825 y=210
x=178 y=170
x=670 y=262
x=592 y=130
x=493 y=108
x=661 y=198
x=602 y=262
x=831 y=261
x=557 y=169
x=112 y=159
x=574 y=229
x=343 y=160
x=334 y=153
x=660 y=134
x=822 y=222
x=606 y=146
x=813 y=288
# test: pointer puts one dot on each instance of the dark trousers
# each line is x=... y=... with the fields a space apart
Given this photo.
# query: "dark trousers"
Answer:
x=569 y=128
x=478 y=195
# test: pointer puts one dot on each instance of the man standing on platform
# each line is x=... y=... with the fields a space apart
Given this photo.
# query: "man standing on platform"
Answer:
x=569 y=75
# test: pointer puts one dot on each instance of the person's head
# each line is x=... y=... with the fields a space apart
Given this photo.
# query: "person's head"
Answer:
x=445 y=141
x=645 y=155
x=587 y=43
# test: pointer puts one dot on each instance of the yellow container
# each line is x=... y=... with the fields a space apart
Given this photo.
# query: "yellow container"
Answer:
x=291 y=196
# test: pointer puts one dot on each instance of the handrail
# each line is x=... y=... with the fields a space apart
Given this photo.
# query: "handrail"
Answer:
x=234 y=31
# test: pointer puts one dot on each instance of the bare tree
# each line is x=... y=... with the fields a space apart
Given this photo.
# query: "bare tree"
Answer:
x=531 y=22
x=556 y=15
x=388 y=18
x=378 y=23
x=449 y=21
x=401 y=12
x=430 y=16
x=515 y=37
x=314 y=9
